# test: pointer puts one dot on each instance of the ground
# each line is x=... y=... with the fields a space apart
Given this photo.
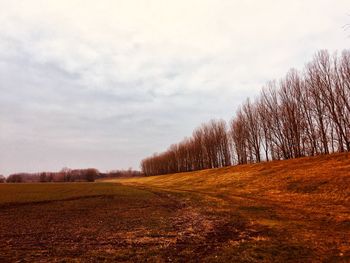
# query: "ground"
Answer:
x=284 y=211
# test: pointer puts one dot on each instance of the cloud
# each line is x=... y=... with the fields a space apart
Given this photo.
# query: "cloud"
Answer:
x=104 y=84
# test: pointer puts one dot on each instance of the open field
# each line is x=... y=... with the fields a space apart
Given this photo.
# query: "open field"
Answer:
x=285 y=211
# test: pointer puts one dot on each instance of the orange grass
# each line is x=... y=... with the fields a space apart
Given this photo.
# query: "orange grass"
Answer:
x=306 y=198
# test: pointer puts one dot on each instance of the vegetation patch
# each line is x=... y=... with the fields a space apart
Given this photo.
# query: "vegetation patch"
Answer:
x=254 y=208
x=305 y=187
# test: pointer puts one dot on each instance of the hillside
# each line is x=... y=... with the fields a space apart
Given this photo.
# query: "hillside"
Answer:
x=323 y=178
x=305 y=199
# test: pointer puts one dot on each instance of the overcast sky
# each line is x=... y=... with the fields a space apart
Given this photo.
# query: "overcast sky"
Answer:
x=105 y=83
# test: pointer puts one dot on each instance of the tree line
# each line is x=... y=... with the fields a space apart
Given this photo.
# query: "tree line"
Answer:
x=121 y=174
x=306 y=113
x=65 y=175
x=68 y=175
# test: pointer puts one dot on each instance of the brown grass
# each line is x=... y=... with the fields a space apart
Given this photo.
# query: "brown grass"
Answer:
x=285 y=211
x=305 y=200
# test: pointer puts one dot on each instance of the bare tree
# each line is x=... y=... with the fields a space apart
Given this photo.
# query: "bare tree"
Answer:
x=303 y=114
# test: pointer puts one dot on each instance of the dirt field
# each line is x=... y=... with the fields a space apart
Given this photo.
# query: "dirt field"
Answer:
x=288 y=211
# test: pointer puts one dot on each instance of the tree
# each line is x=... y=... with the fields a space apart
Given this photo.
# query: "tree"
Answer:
x=91 y=174
x=15 y=178
x=2 y=179
x=303 y=114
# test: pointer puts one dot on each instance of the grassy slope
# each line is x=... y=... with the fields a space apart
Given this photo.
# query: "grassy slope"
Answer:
x=316 y=179
x=306 y=200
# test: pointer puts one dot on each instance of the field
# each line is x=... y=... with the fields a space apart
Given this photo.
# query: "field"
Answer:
x=284 y=211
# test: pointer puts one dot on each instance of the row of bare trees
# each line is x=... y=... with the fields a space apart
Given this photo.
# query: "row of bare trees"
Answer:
x=207 y=148
x=121 y=174
x=304 y=114
x=65 y=175
x=68 y=175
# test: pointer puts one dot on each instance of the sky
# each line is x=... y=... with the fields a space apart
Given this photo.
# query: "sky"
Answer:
x=106 y=83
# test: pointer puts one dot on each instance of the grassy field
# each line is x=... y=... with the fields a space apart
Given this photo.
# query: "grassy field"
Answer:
x=284 y=211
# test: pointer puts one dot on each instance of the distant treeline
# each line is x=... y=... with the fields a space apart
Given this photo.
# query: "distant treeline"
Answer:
x=67 y=175
x=304 y=114
x=121 y=174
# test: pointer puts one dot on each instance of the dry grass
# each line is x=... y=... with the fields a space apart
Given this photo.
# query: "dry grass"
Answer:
x=307 y=199
x=285 y=211
x=323 y=175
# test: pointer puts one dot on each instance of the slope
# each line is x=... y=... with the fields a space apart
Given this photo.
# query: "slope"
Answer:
x=299 y=207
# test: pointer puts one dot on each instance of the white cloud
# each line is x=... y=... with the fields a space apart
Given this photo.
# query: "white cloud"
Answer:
x=105 y=83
